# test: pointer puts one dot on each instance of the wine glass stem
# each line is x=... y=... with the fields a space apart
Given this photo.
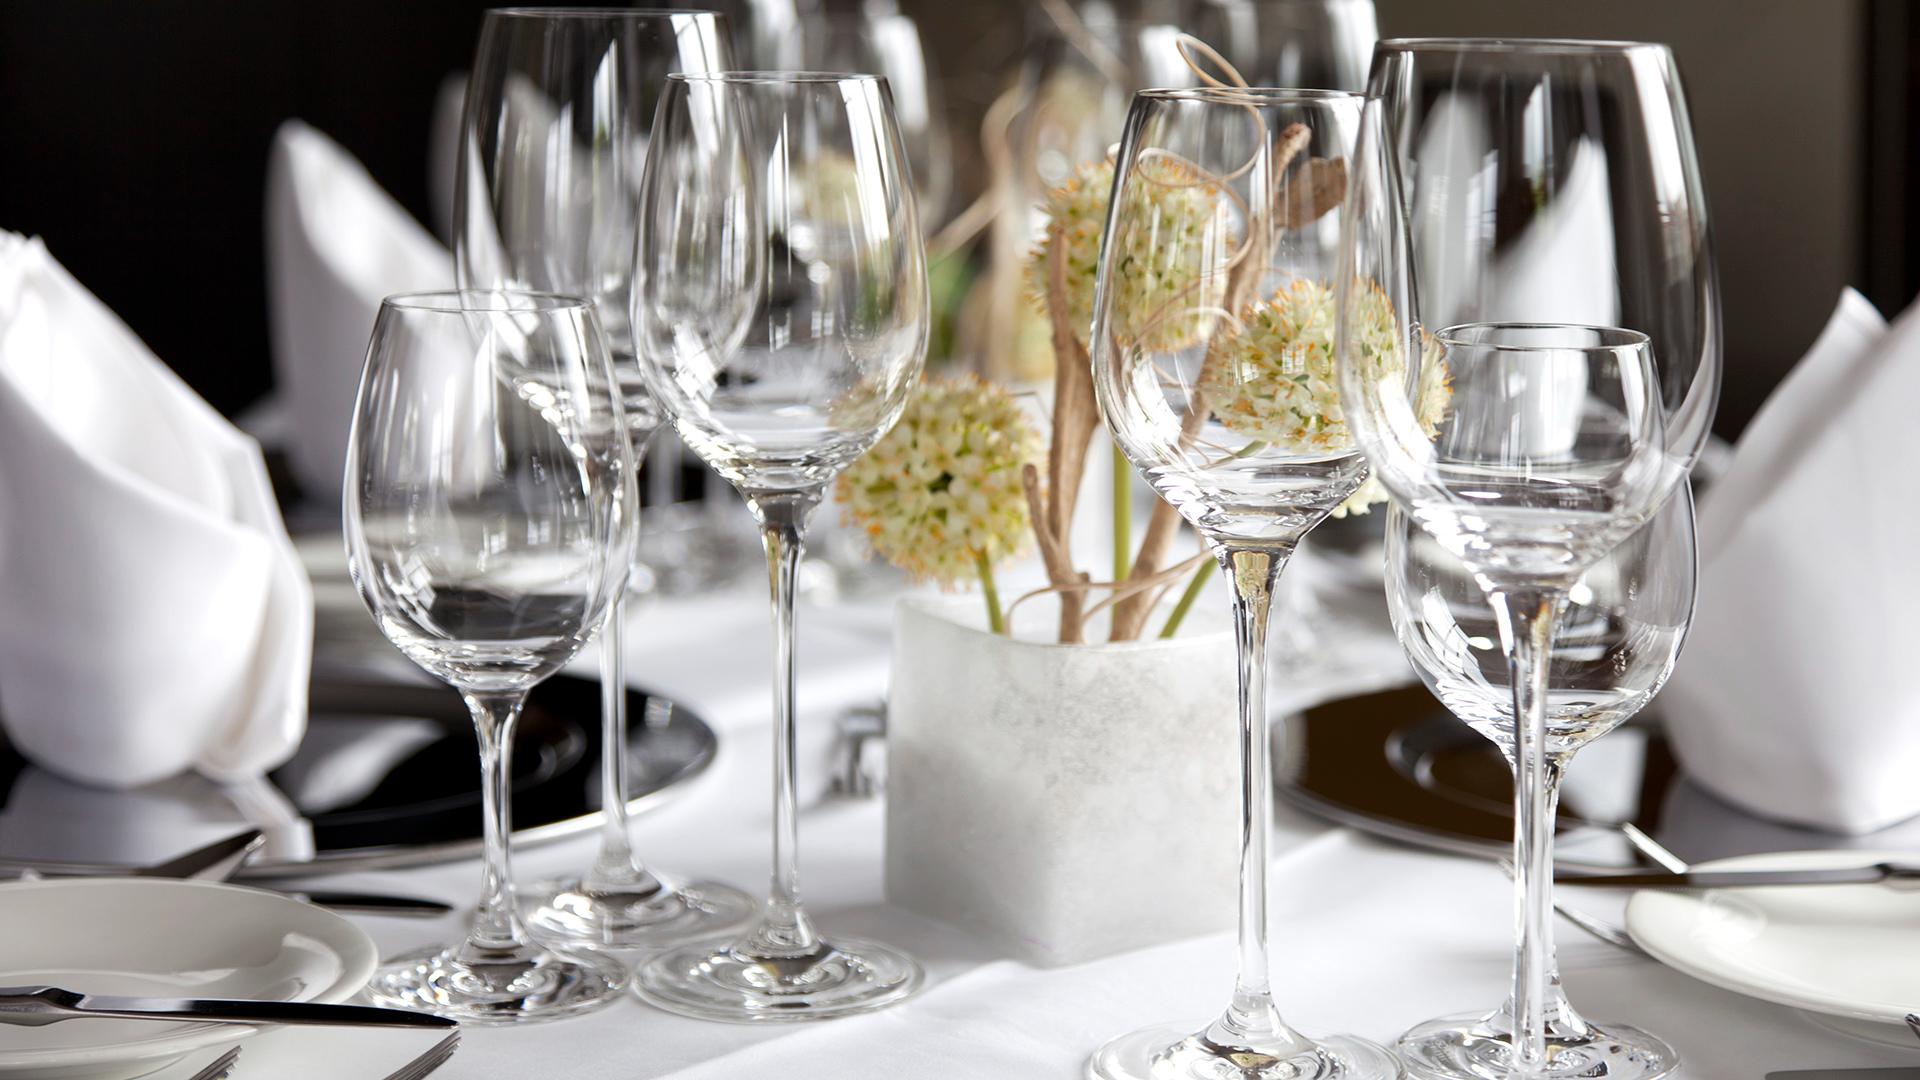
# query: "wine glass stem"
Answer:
x=785 y=929
x=615 y=867
x=1252 y=1019
x=496 y=926
x=1526 y=619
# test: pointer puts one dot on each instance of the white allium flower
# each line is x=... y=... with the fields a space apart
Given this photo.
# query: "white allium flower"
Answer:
x=943 y=488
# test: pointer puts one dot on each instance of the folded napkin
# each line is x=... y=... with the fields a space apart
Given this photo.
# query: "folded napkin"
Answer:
x=336 y=244
x=1794 y=700
x=153 y=614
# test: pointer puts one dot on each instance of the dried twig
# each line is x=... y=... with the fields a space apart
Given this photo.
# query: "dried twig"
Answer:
x=1058 y=560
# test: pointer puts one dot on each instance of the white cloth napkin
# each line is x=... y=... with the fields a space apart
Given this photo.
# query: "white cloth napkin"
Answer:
x=336 y=244
x=153 y=614
x=1796 y=698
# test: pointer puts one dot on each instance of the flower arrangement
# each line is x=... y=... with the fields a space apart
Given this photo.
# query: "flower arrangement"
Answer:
x=941 y=496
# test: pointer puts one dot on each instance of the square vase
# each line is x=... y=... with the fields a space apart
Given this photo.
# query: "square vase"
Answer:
x=1066 y=801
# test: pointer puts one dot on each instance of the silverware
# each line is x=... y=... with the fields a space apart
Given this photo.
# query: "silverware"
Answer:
x=1653 y=849
x=219 y=1067
x=859 y=764
x=431 y=1060
x=1899 y=875
x=37 y=1006
x=372 y=903
x=1913 y=1021
x=216 y=862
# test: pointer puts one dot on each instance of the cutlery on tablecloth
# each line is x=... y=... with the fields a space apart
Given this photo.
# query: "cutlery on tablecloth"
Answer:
x=1897 y=874
x=37 y=1006
x=435 y=1057
x=219 y=1067
x=220 y=860
x=1913 y=1021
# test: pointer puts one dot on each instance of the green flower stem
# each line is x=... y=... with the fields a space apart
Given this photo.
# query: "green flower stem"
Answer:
x=1194 y=588
x=1122 y=515
x=995 y=620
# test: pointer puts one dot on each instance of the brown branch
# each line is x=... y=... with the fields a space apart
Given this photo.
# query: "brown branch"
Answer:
x=1057 y=559
x=1075 y=412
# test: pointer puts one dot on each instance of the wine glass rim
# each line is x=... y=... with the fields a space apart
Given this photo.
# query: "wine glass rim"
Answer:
x=1567 y=46
x=772 y=77
x=1241 y=95
x=486 y=301
x=1607 y=338
x=635 y=14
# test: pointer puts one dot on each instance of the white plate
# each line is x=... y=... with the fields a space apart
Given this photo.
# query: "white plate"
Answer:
x=160 y=938
x=1844 y=952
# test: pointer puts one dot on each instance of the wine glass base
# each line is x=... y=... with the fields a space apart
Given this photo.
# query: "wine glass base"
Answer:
x=1170 y=1053
x=572 y=914
x=714 y=980
x=529 y=985
x=1473 y=1047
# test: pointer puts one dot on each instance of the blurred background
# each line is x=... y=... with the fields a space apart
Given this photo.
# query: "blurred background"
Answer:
x=137 y=134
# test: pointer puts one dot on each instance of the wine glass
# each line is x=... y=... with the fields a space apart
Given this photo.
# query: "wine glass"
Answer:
x=554 y=138
x=489 y=495
x=1529 y=182
x=781 y=306
x=1617 y=641
x=1549 y=453
x=1212 y=322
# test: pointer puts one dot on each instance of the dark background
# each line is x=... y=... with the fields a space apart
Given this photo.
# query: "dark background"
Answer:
x=135 y=135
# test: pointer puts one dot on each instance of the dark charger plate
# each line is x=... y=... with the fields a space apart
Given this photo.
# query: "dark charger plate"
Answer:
x=1398 y=765
x=388 y=775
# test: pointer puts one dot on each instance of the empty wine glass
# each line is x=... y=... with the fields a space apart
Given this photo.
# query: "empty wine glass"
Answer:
x=1548 y=193
x=488 y=508
x=781 y=305
x=555 y=135
x=1551 y=453
x=1213 y=366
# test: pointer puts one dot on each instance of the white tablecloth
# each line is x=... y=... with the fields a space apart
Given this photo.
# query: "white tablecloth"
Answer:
x=1369 y=937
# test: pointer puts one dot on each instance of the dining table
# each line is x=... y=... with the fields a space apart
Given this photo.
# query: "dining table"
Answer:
x=1370 y=936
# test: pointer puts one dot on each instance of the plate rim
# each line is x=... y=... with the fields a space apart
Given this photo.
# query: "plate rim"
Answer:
x=357 y=967
x=1643 y=909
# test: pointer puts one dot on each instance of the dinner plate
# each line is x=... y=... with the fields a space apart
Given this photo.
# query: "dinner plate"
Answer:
x=160 y=938
x=1845 y=953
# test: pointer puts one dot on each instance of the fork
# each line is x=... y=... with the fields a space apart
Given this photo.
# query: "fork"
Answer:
x=1913 y=1021
x=429 y=1061
x=219 y=1067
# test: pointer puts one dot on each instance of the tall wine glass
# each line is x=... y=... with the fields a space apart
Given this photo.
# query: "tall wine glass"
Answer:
x=780 y=301
x=1212 y=321
x=555 y=135
x=1526 y=182
x=489 y=490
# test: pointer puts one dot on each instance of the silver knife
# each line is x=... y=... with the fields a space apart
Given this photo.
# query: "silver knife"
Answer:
x=36 y=1006
x=372 y=903
x=215 y=862
x=1900 y=875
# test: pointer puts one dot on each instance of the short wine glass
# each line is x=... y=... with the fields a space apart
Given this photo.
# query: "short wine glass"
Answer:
x=553 y=142
x=1551 y=453
x=488 y=489
x=1213 y=366
x=780 y=303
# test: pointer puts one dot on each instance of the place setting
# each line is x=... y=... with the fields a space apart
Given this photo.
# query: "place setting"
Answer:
x=1267 y=528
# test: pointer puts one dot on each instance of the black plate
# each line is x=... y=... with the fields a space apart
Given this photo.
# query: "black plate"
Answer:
x=387 y=775
x=1398 y=765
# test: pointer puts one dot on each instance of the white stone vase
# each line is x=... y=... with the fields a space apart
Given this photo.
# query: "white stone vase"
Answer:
x=1066 y=801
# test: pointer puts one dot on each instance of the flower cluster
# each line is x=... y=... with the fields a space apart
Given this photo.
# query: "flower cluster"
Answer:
x=1173 y=238
x=1276 y=381
x=942 y=490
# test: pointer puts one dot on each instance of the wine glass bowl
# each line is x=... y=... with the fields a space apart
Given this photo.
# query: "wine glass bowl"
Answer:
x=1614 y=648
x=782 y=313
x=489 y=498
